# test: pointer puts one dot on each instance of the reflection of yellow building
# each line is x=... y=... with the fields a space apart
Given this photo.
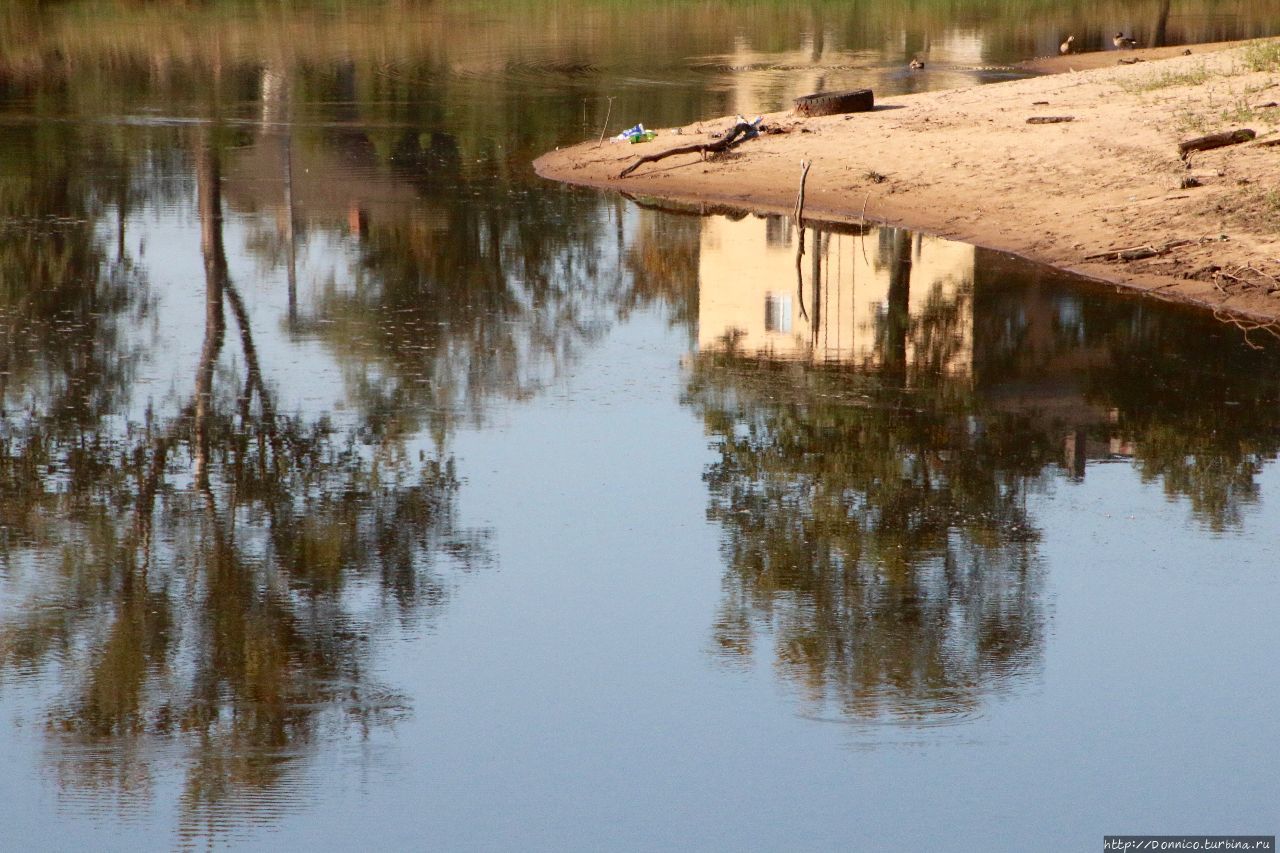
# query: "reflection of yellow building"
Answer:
x=878 y=296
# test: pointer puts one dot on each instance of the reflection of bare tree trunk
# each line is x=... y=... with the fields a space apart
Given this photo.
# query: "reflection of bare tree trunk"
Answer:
x=209 y=182
x=5 y=349
x=122 y=209
x=816 y=275
x=1074 y=451
x=898 y=314
x=253 y=382
x=819 y=37
x=147 y=496
x=277 y=121
x=1159 y=34
x=799 y=273
x=286 y=144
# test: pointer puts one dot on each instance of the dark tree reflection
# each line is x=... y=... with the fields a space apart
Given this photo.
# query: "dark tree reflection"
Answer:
x=880 y=536
x=1191 y=401
x=224 y=570
x=875 y=514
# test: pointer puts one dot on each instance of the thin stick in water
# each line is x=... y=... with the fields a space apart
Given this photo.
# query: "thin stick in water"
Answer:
x=862 y=228
x=605 y=126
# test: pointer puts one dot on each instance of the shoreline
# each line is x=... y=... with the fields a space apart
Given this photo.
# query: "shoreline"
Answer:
x=963 y=164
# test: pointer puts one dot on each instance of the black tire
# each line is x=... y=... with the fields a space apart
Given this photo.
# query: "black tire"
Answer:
x=835 y=103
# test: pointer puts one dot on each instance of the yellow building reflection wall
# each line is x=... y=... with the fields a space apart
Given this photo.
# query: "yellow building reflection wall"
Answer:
x=864 y=299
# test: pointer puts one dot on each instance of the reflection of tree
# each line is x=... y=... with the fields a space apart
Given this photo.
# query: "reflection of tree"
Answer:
x=1160 y=32
x=895 y=250
x=62 y=351
x=881 y=537
x=233 y=622
x=875 y=524
x=1200 y=411
x=663 y=258
x=1194 y=405
x=486 y=290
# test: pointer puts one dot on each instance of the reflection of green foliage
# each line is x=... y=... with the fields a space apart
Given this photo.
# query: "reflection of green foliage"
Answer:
x=875 y=522
x=203 y=578
x=1196 y=405
x=223 y=622
x=1201 y=411
x=483 y=300
x=59 y=295
x=663 y=258
x=882 y=535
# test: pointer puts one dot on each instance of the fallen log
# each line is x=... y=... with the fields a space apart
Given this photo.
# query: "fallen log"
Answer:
x=834 y=103
x=1049 y=119
x=741 y=132
x=1215 y=140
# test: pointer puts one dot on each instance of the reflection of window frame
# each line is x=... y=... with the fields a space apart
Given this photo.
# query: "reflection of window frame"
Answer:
x=777 y=312
x=777 y=232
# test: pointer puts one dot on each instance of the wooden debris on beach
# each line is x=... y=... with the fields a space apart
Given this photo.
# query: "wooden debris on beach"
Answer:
x=1049 y=119
x=1215 y=140
x=835 y=103
x=1136 y=253
x=740 y=132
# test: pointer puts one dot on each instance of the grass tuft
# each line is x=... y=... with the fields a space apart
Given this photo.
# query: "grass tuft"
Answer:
x=1262 y=55
x=1167 y=79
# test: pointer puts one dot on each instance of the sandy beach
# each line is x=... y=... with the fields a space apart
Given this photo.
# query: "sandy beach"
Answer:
x=965 y=164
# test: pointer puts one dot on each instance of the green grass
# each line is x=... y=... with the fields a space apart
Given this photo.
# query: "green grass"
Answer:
x=1262 y=55
x=1243 y=113
x=1167 y=80
x=1271 y=202
x=1189 y=121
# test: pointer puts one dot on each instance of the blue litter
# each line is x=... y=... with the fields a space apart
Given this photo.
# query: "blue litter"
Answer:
x=635 y=134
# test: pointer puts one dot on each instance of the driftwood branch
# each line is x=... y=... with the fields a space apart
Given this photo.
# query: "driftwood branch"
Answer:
x=799 y=217
x=1215 y=140
x=740 y=133
x=804 y=174
x=1247 y=325
x=1137 y=253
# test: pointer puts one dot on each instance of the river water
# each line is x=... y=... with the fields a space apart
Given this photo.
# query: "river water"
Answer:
x=358 y=488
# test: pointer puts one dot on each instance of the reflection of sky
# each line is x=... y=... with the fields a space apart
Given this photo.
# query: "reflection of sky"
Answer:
x=301 y=372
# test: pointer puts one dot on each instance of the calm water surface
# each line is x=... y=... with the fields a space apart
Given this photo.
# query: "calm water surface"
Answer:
x=357 y=487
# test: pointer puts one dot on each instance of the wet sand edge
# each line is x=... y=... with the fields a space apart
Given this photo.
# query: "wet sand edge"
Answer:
x=964 y=164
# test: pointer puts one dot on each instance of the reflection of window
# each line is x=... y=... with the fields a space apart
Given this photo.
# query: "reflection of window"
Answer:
x=777 y=231
x=777 y=312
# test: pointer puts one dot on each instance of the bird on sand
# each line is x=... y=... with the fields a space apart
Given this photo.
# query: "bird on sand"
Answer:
x=916 y=64
x=1123 y=42
x=1066 y=47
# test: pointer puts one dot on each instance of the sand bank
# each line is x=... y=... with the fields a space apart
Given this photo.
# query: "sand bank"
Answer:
x=965 y=164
